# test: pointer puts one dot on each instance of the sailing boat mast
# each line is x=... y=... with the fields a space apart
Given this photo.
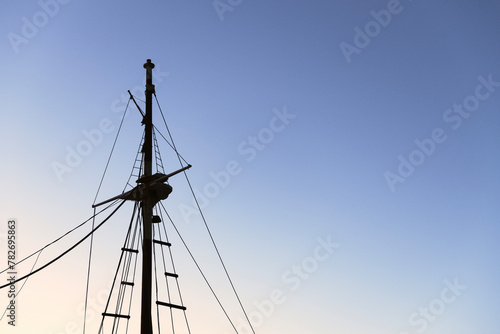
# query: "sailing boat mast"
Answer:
x=151 y=188
x=147 y=206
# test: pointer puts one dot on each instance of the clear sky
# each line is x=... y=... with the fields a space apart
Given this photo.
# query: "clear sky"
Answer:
x=361 y=136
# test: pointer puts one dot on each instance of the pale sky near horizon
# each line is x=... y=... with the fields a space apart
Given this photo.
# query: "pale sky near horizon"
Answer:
x=360 y=139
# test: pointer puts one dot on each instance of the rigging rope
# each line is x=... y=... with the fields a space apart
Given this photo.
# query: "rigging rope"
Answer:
x=199 y=268
x=205 y=222
x=174 y=271
x=171 y=146
x=156 y=284
x=61 y=237
x=22 y=286
x=169 y=134
x=139 y=153
x=112 y=149
x=138 y=221
x=88 y=276
x=138 y=98
x=119 y=263
x=66 y=252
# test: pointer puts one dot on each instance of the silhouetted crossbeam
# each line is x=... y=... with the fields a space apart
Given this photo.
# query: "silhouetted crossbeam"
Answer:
x=171 y=305
x=153 y=183
x=116 y=315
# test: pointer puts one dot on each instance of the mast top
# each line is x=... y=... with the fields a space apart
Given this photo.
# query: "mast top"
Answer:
x=149 y=64
x=150 y=88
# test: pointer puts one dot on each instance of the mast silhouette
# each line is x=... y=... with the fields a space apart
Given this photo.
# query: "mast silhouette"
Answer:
x=147 y=206
x=151 y=188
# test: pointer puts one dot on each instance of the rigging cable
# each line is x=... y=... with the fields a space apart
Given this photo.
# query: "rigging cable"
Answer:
x=119 y=263
x=205 y=221
x=174 y=271
x=156 y=284
x=169 y=144
x=199 y=268
x=127 y=265
x=132 y=245
x=139 y=153
x=65 y=252
x=110 y=154
x=22 y=286
x=93 y=220
x=88 y=276
x=61 y=237
x=169 y=134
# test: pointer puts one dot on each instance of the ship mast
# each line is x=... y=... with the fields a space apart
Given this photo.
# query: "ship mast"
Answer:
x=147 y=206
x=151 y=188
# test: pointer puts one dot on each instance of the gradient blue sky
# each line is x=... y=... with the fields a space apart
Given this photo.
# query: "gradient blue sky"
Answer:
x=322 y=176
